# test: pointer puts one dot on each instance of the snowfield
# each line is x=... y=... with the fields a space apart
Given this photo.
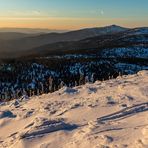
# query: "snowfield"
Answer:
x=109 y=114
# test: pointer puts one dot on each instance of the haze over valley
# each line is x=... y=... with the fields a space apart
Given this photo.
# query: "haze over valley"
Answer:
x=73 y=74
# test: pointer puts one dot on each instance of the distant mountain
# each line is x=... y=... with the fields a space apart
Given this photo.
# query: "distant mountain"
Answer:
x=43 y=39
x=74 y=41
x=45 y=33
x=129 y=38
x=6 y=36
x=31 y=30
x=138 y=31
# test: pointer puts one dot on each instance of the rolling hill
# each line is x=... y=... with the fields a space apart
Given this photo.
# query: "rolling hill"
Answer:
x=16 y=46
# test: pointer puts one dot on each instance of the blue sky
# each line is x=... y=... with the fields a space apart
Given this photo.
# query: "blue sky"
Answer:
x=73 y=13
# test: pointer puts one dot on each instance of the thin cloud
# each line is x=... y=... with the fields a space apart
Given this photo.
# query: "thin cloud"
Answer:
x=102 y=12
x=27 y=13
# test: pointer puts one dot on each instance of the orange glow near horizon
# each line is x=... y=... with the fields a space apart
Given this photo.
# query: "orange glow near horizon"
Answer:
x=70 y=15
x=65 y=23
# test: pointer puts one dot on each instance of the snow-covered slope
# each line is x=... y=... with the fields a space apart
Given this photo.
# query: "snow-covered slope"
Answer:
x=110 y=114
x=130 y=52
x=138 y=31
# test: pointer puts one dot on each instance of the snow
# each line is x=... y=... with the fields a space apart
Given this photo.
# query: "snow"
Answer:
x=70 y=56
x=135 y=52
x=138 y=31
x=130 y=68
x=108 y=114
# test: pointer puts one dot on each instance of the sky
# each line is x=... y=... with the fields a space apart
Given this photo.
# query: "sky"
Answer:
x=72 y=14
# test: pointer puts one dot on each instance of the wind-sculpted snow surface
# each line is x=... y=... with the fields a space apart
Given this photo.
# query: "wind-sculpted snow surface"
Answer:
x=109 y=114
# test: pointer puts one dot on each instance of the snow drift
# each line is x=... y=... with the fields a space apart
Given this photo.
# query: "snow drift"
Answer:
x=107 y=114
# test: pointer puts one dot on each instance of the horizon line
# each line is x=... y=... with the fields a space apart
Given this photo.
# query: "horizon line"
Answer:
x=80 y=28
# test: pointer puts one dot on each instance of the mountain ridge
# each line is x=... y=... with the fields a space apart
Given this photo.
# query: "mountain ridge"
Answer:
x=26 y=44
